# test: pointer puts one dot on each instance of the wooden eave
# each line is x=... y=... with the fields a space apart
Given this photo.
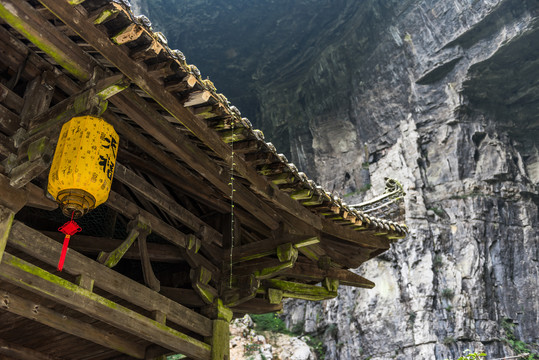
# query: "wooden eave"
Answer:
x=179 y=138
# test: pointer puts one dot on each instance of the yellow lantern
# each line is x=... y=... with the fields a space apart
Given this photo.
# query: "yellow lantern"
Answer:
x=83 y=165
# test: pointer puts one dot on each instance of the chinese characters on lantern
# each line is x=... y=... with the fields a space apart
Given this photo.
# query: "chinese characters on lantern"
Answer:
x=105 y=162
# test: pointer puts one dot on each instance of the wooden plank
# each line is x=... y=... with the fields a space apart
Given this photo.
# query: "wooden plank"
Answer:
x=313 y=272
x=169 y=233
x=43 y=283
x=20 y=352
x=94 y=245
x=26 y=20
x=38 y=245
x=155 y=196
x=67 y=324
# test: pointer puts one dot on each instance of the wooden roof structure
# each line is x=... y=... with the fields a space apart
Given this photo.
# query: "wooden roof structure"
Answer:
x=209 y=221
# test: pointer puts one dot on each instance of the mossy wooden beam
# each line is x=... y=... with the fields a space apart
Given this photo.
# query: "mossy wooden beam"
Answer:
x=67 y=324
x=312 y=272
x=6 y=220
x=300 y=291
x=269 y=247
x=47 y=250
x=26 y=20
x=131 y=33
x=105 y=13
x=136 y=227
x=32 y=278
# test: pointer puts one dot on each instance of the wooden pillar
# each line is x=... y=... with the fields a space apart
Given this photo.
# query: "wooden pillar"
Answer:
x=6 y=219
x=220 y=339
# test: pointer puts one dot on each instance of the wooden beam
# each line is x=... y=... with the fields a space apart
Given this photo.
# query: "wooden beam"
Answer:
x=67 y=324
x=155 y=196
x=94 y=245
x=147 y=271
x=37 y=98
x=169 y=233
x=39 y=246
x=35 y=64
x=30 y=277
x=30 y=195
x=26 y=20
x=187 y=297
x=312 y=272
x=300 y=291
x=11 y=100
x=256 y=306
x=175 y=174
x=6 y=220
x=156 y=125
x=268 y=247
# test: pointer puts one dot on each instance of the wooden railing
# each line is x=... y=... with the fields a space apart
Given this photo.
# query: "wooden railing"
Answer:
x=79 y=295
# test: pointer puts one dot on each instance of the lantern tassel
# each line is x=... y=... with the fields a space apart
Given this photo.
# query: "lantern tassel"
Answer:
x=64 y=251
x=69 y=228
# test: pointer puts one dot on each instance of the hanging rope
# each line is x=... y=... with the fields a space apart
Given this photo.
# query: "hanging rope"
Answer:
x=231 y=183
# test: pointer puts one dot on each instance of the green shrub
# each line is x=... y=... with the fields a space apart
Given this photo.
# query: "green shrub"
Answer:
x=269 y=322
x=468 y=355
x=448 y=293
x=520 y=347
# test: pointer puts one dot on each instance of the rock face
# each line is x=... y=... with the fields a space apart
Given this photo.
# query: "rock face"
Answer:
x=442 y=95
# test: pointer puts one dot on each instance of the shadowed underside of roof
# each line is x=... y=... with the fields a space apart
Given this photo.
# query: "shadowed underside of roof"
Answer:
x=207 y=218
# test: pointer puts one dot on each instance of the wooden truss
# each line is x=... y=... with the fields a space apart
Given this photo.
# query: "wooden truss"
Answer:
x=165 y=264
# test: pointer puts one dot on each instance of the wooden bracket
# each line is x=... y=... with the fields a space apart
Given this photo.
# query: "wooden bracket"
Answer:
x=299 y=290
x=149 y=277
x=287 y=252
x=275 y=296
x=137 y=227
x=200 y=278
x=39 y=155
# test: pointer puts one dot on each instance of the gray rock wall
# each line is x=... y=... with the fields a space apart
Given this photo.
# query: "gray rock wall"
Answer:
x=440 y=94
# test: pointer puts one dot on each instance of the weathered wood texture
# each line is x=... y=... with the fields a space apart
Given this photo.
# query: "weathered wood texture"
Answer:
x=15 y=351
x=47 y=250
x=35 y=311
x=43 y=283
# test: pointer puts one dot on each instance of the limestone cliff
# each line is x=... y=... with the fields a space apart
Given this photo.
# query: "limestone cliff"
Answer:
x=442 y=95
